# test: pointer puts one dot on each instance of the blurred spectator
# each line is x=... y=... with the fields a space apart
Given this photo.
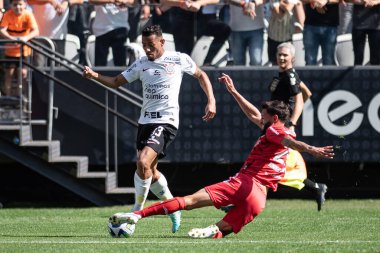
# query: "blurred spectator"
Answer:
x=281 y=26
x=111 y=30
x=17 y=24
x=247 y=25
x=2 y=9
x=184 y=30
x=299 y=17
x=345 y=18
x=321 y=29
x=199 y=18
x=161 y=15
x=366 y=22
x=79 y=12
x=52 y=17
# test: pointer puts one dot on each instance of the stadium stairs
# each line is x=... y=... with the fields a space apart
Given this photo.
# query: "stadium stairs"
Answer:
x=44 y=157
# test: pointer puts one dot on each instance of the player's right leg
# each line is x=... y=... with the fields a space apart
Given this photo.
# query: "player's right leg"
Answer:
x=143 y=176
x=218 y=230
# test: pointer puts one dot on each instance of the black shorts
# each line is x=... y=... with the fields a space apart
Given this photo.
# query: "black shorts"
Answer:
x=156 y=136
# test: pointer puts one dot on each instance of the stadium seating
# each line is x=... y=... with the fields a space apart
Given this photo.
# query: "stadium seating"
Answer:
x=72 y=47
x=300 y=50
x=344 y=53
x=39 y=59
x=201 y=48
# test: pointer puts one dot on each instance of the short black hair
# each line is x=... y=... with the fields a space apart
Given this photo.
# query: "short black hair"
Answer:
x=276 y=107
x=152 y=30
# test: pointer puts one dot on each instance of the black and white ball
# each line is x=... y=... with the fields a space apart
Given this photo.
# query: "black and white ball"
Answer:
x=125 y=230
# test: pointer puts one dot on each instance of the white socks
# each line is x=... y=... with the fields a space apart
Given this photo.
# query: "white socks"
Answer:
x=161 y=189
x=141 y=192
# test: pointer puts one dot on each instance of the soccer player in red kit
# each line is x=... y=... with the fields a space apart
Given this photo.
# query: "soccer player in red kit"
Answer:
x=247 y=190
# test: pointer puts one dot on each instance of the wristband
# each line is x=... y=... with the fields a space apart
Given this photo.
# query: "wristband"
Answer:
x=242 y=4
x=292 y=124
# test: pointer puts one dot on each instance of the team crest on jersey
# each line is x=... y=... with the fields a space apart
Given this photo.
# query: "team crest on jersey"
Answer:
x=169 y=68
x=274 y=84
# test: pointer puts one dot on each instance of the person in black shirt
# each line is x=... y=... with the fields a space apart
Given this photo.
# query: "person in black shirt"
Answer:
x=289 y=88
x=321 y=29
x=366 y=24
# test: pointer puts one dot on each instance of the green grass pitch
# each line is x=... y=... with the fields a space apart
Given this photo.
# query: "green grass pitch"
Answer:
x=284 y=226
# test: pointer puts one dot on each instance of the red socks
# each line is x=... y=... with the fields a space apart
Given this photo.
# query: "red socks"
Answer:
x=163 y=208
x=218 y=235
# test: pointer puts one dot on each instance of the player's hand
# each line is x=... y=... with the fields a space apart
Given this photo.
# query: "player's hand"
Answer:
x=210 y=111
x=89 y=73
x=226 y=79
x=322 y=152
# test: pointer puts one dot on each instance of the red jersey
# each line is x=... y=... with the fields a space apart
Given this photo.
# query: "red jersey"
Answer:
x=266 y=161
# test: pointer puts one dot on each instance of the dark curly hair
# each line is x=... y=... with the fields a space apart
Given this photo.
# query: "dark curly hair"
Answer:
x=278 y=108
x=152 y=29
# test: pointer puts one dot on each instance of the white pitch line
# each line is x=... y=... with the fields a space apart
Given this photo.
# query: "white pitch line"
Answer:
x=121 y=241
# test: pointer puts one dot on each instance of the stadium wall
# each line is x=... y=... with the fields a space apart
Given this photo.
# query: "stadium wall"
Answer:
x=343 y=111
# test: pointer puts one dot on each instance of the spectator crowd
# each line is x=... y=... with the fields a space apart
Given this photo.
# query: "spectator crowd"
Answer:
x=252 y=29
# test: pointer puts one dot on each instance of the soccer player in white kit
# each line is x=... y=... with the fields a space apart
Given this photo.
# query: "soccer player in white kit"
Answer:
x=161 y=74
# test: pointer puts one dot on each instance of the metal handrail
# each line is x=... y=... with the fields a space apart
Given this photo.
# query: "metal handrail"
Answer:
x=84 y=95
x=53 y=56
x=62 y=60
x=57 y=57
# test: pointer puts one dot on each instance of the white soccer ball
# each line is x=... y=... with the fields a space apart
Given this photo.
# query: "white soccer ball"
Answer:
x=124 y=230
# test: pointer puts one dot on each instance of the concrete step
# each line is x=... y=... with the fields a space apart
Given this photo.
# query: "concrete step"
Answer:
x=79 y=165
x=122 y=190
x=94 y=175
x=54 y=148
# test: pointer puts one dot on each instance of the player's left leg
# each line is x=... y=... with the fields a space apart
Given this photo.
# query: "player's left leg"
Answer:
x=196 y=200
x=161 y=190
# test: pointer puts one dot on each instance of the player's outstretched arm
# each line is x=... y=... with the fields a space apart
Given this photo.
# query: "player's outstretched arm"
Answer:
x=320 y=152
x=205 y=83
x=249 y=109
x=112 y=82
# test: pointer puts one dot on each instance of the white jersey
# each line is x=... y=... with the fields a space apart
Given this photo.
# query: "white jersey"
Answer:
x=161 y=80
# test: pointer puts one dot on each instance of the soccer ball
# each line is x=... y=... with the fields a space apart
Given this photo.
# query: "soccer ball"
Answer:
x=124 y=230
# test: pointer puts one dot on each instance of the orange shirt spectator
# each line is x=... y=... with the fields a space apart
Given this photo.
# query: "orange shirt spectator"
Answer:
x=18 y=23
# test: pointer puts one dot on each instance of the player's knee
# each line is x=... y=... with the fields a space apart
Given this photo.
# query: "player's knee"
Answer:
x=143 y=165
x=257 y=210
